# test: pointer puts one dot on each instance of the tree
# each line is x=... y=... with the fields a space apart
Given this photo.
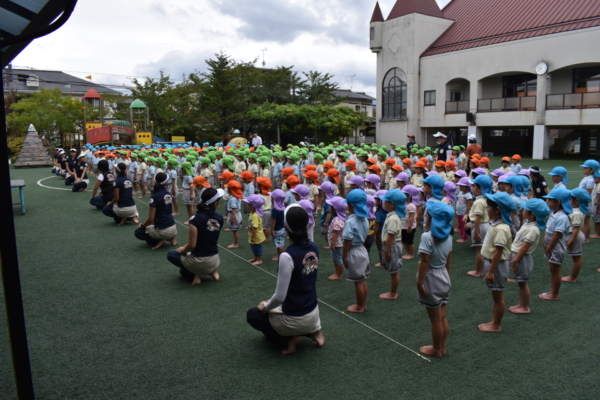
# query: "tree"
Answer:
x=159 y=97
x=318 y=89
x=116 y=105
x=48 y=111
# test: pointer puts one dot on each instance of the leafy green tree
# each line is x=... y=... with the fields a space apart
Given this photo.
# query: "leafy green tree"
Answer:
x=159 y=97
x=318 y=89
x=116 y=105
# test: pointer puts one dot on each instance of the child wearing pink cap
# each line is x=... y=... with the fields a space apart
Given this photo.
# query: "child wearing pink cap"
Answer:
x=464 y=202
x=334 y=235
x=277 y=217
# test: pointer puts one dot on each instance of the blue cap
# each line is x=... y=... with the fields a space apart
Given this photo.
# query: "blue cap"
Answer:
x=562 y=171
x=539 y=208
x=358 y=199
x=564 y=196
x=584 y=199
x=593 y=164
x=515 y=181
x=441 y=219
x=437 y=185
x=505 y=202
x=397 y=197
x=525 y=182
x=485 y=182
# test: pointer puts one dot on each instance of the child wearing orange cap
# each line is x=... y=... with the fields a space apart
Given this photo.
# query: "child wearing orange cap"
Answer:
x=375 y=169
x=484 y=163
x=395 y=170
x=311 y=180
x=350 y=167
x=234 y=216
x=416 y=178
x=248 y=188
x=198 y=184
x=265 y=185
x=285 y=174
x=333 y=176
x=516 y=164
x=292 y=181
x=450 y=169
x=505 y=164
x=387 y=174
x=440 y=167
x=406 y=166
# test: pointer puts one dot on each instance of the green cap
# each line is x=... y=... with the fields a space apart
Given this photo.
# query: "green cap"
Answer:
x=263 y=159
x=205 y=160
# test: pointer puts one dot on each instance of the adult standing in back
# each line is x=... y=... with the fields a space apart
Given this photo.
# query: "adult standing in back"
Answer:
x=473 y=147
x=444 y=148
x=256 y=140
x=411 y=142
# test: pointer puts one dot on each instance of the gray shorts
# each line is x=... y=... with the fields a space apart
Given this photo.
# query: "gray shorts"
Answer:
x=483 y=228
x=596 y=216
x=359 y=265
x=186 y=199
x=559 y=250
x=237 y=223
x=524 y=269
x=395 y=264
x=577 y=248
x=324 y=230
x=142 y=181
x=500 y=275
x=437 y=285
x=266 y=219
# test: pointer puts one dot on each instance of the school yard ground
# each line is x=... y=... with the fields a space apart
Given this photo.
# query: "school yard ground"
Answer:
x=109 y=318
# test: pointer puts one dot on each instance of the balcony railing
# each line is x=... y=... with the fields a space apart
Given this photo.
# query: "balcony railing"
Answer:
x=457 y=107
x=572 y=100
x=526 y=103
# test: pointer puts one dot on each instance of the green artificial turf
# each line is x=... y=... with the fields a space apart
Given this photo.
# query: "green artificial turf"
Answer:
x=109 y=318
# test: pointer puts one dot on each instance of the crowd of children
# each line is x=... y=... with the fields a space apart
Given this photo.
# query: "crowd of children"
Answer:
x=360 y=195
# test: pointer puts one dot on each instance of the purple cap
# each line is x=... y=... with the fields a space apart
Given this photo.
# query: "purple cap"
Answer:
x=257 y=202
x=328 y=188
x=480 y=171
x=429 y=173
x=380 y=193
x=498 y=172
x=358 y=181
x=371 y=206
x=464 y=182
x=525 y=172
x=509 y=173
x=278 y=196
x=503 y=178
x=414 y=194
x=339 y=206
x=374 y=179
x=450 y=189
x=461 y=173
x=310 y=208
x=402 y=177
x=301 y=191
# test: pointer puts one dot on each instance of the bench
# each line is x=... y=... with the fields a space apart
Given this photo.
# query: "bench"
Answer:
x=19 y=183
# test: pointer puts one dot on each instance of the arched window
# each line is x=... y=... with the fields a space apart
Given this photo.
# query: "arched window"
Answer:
x=394 y=94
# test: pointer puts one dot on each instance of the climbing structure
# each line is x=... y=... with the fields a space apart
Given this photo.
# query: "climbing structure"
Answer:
x=33 y=153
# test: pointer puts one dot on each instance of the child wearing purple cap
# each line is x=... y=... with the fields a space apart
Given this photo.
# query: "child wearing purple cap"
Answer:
x=334 y=234
x=371 y=218
x=256 y=235
x=464 y=201
x=310 y=208
x=409 y=224
x=402 y=179
x=300 y=192
x=277 y=227
x=380 y=216
x=449 y=194
x=327 y=189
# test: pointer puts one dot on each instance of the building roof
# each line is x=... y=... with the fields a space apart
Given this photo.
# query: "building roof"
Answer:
x=137 y=103
x=362 y=96
x=426 y=7
x=377 y=14
x=484 y=22
x=31 y=80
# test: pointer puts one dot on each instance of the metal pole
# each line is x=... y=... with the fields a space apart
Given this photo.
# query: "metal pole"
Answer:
x=11 y=281
x=278 y=138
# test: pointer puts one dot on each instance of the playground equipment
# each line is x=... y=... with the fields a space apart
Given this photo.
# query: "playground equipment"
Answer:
x=33 y=153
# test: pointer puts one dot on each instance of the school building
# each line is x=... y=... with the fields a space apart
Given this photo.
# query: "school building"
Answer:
x=523 y=76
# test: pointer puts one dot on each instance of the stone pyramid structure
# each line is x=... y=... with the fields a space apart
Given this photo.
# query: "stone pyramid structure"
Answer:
x=33 y=153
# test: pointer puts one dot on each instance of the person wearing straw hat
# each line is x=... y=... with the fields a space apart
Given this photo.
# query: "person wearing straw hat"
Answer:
x=293 y=311
x=200 y=256
x=433 y=276
x=160 y=225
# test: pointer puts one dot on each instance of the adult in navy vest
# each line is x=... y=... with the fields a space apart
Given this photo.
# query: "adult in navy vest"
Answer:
x=104 y=182
x=444 y=148
x=79 y=179
x=122 y=207
x=200 y=256
x=293 y=311
x=160 y=225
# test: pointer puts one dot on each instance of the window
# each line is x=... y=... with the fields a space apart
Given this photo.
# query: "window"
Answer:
x=519 y=85
x=372 y=33
x=394 y=94
x=33 y=80
x=456 y=95
x=586 y=80
x=430 y=97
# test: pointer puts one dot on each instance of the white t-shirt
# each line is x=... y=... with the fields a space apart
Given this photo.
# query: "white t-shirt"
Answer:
x=256 y=141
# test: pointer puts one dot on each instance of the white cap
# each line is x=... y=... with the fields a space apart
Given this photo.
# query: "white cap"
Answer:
x=73 y=150
x=81 y=156
x=440 y=134
x=472 y=137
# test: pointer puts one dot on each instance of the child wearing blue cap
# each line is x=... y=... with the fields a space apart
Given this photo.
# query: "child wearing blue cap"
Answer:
x=508 y=186
x=495 y=252
x=590 y=169
x=394 y=202
x=559 y=177
x=479 y=219
x=433 y=190
x=596 y=208
x=559 y=201
x=334 y=234
x=354 y=255
x=380 y=216
x=433 y=276
x=580 y=199
x=535 y=212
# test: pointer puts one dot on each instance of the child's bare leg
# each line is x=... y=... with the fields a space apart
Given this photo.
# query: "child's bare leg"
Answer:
x=478 y=273
x=279 y=251
x=258 y=260
x=196 y=280
x=292 y=345
x=267 y=233
x=318 y=338
x=555 y=282
x=524 y=297
x=215 y=275
x=236 y=237
x=122 y=221
x=393 y=293
x=339 y=270
x=176 y=206
x=410 y=248
x=444 y=308
x=159 y=244
x=496 y=324
x=190 y=210
x=437 y=333
x=577 y=262
x=586 y=228
x=362 y=290
x=143 y=187
x=597 y=230
x=135 y=188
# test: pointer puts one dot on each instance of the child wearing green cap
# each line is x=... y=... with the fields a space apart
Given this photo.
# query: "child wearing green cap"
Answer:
x=187 y=198
x=141 y=175
x=172 y=188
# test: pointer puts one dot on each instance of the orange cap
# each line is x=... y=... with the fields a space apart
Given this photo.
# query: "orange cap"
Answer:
x=335 y=174
x=292 y=180
x=407 y=161
x=450 y=163
x=312 y=175
x=372 y=161
x=199 y=181
x=440 y=163
x=507 y=159
x=390 y=161
x=476 y=156
x=476 y=162
x=419 y=164
x=424 y=160
x=485 y=160
x=235 y=188
x=247 y=175
x=310 y=167
x=288 y=171
x=516 y=157
x=328 y=164
x=376 y=168
x=228 y=175
x=265 y=184
x=398 y=168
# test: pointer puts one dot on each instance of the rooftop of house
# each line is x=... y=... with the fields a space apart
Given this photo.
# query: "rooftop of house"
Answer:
x=361 y=96
x=28 y=80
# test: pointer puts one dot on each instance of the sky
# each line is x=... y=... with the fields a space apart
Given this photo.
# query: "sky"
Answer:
x=116 y=40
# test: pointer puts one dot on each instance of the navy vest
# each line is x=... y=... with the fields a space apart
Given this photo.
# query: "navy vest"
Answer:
x=301 y=296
